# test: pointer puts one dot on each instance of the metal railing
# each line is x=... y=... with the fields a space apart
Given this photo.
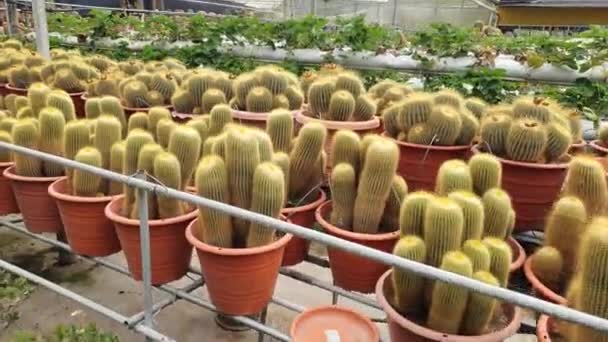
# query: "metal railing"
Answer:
x=423 y=270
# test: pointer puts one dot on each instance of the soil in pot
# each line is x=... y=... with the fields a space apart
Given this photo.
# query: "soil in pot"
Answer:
x=170 y=252
x=505 y=323
x=240 y=281
x=349 y=271
x=345 y=324
x=8 y=203
x=88 y=230
x=302 y=215
x=39 y=211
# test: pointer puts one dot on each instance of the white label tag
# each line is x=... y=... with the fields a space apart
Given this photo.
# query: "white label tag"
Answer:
x=332 y=336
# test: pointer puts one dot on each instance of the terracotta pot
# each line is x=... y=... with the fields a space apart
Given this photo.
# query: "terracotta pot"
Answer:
x=130 y=110
x=533 y=189
x=598 y=148
x=3 y=90
x=78 y=99
x=519 y=254
x=349 y=271
x=252 y=119
x=544 y=326
x=304 y=216
x=170 y=252
x=17 y=91
x=540 y=290
x=88 y=230
x=418 y=164
x=182 y=117
x=8 y=204
x=359 y=127
x=403 y=329
x=240 y=281
x=577 y=148
x=39 y=211
x=312 y=325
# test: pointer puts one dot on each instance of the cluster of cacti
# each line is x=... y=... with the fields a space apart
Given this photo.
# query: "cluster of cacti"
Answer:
x=441 y=118
x=532 y=130
x=366 y=192
x=239 y=170
x=19 y=67
x=266 y=88
x=201 y=90
x=387 y=92
x=337 y=96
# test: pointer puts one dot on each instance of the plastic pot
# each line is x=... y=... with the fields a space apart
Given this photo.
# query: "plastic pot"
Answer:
x=252 y=119
x=419 y=164
x=519 y=255
x=540 y=290
x=598 y=148
x=359 y=127
x=533 y=189
x=39 y=211
x=544 y=326
x=88 y=230
x=170 y=252
x=577 y=148
x=131 y=110
x=304 y=216
x=78 y=99
x=346 y=325
x=17 y=91
x=403 y=329
x=3 y=90
x=240 y=281
x=8 y=204
x=349 y=271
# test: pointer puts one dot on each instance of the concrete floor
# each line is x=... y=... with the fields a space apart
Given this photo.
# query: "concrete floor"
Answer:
x=43 y=310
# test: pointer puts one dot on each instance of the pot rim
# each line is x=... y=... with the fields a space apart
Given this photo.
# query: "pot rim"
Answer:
x=521 y=258
x=142 y=109
x=10 y=174
x=544 y=327
x=422 y=331
x=10 y=87
x=243 y=114
x=596 y=145
x=539 y=286
x=348 y=235
x=6 y=164
x=428 y=147
x=57 y=194
x=580 y=143
x=199 y=245
x=553 y=166
x=78 y=93
x=116 y=217
x=336 y=125
x=307 y=207
x=334 y=308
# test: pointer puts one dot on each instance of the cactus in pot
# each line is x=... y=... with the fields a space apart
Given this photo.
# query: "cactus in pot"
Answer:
x=266 y=88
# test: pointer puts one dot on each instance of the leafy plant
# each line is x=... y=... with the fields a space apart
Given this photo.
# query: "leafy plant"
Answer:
x=69 y=333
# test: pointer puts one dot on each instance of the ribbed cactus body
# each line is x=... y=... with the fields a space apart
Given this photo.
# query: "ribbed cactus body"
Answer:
x=453 y=175
x=413 y=209
x=111 y=106
x=576 y=126
x=345 y=148
x=220 y=116
x=155 y=114
x=565 y=225
x=408 y=287
x=343 y=184
x=168 y=171
x=280 y=102
x=390 y=117
x=494 y=132
x=182 y=102
x=294 y=97
x=586 y=179
x=559 y=139
x=6 y=155
x=67 y=80
x=185 y=144
x=108 y=131
x=107 y=87
x=526 y=141
x=444 y=124
x=19 y=77
x=138 y=120
x=134 y=143
x=259 y=100
x=84 y=183
x=164 y=130
x=469 y=129
x=547 y=264
x=242 y=86
x=341 y=106
x=390 y=217
x=319 y=96
x=92 y=108
x=364 y=145
x=535 y=109
x=443 y=226
x=36 y=94
x=486 y=172
x=480 y=308
x=419 y=134
x=478 y=253
x=500 y=259
x=272 y=79
x=163 y=84
x=117 y=156
x=351 y=83
x=25 y=133
x=268 y=198
x=154 y=98
x=473 y=214
x=145 y=163
x=52 y=126
x=449 y=302
x=22 y=102
x=497 y=209
x=281 y=159
x=211 y=182
x=305 y=153
x=62 y=101
x=211 y=98
x=198 y=84
x=365 y=108
x=25 y=112
x=476 y=106
x=201 y=127
x=450 y=98
x=134 y=94
x=374 y=186
x=280 y=129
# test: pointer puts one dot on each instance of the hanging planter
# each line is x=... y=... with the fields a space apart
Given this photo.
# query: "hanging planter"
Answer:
x=345 y=324
x=240 y=281
x=304 y=215
x=88 y=230
x=540 y=289
x=39 y=211
x=8 y=204
x=349 y=271
x=170 y=252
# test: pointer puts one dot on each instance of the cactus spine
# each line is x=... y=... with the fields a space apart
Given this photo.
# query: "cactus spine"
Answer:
x=500 y=259
x=486 y=172
x=268 y=197
x=559 y=140
x=365 y=108
x=586 y=179
x=453 y=175
x=472 y=212
x=497 y=210
x=84 y=183
x=52 y=126
x=526 y=141
x=25 y=133
x=390 y=217
x=478 y=253
x=259 y=100
x=480 y=308
x=221 y=115
x=565 y=225
x=409 y=287
x=494 y=132
x=345 y=149
x=117 y=156
x=306 y=152
x=548 y=263
x=444 y=124
x=134 y=143
x=168 y=171
x=341 y=106
x=443 y=226
x=343 y=183
x=138 y=120
x=185 y=144
x=413 y=209
x=280 y=129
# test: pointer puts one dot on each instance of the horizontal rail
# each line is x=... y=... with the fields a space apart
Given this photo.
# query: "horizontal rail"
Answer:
x=423 y=270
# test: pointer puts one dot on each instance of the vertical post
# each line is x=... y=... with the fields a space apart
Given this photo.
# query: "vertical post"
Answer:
x=285 y=2
x=42 y=32
x=313 y=7
x=144 y=235
x=395 y=7
x=11 y=18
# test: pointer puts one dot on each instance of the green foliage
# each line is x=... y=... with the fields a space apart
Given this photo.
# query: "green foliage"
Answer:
x=68 y=333
x=487 y=84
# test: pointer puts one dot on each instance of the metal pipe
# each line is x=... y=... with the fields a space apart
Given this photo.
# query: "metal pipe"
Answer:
x=11 y=18
x=151 y=333
x=144 y=238
x=42 y=32
x=143 y=10
x=427 y=271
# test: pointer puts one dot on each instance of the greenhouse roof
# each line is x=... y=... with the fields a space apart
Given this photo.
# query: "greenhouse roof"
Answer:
x=555 y=3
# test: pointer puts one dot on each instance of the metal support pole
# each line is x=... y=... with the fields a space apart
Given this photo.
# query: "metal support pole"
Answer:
x=313 y=7
x=144 y=236
x=395 y=7
x=11 y=18
x=42 y=32
x=263 y=321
